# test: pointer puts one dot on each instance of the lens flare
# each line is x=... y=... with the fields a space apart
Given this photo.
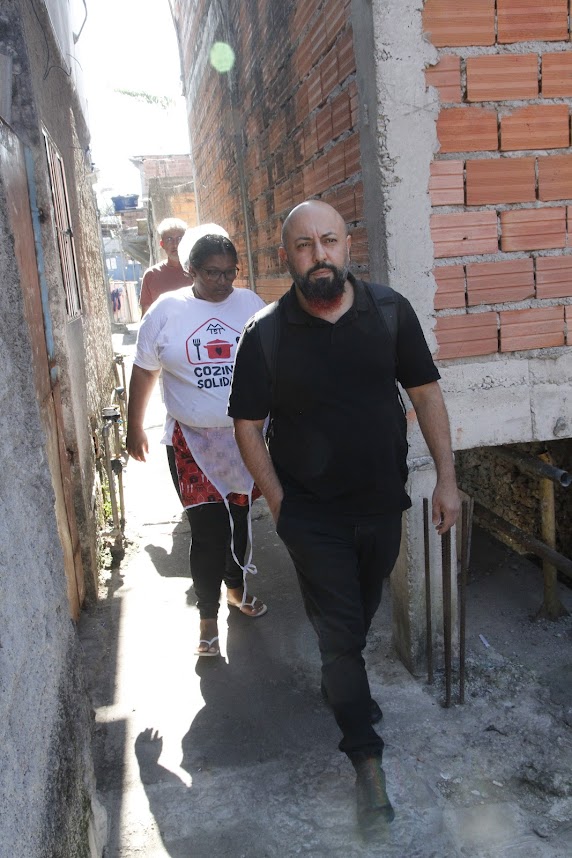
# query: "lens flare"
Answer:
x=222 y=57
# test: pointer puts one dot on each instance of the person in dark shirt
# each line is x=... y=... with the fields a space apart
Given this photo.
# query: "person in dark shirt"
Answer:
x=333 y=465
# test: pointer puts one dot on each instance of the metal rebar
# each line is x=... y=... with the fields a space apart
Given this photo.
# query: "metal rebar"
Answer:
x=428 y=609
x=518 y=537
x=533 y=465
x=447 y=611
x=465 y=526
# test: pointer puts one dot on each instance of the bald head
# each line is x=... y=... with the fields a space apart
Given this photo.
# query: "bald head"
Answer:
x=310 y=214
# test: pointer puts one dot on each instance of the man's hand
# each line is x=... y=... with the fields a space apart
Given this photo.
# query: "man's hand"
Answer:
x=136 y=443
x=446 y=505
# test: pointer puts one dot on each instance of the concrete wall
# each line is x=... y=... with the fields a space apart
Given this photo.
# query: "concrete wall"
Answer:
x=47 y=789
x=83 y=345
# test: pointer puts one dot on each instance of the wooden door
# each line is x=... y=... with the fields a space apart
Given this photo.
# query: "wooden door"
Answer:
x=15 y=183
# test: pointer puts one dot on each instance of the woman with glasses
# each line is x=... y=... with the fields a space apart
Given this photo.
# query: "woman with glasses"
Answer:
x=191 y=335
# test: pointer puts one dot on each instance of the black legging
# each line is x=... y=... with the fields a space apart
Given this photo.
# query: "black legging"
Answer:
x=210 y=555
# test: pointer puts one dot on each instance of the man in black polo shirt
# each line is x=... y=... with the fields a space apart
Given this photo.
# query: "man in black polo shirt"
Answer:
x=335 y=469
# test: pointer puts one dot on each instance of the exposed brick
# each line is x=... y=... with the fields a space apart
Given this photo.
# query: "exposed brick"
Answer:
x=450 y=292
x=467 y=129
x=359 y=250
x=568 y=318
x=450 y=23
x=341 y=114
x=336 y=164
x=354 y=103
x=302 y=16
x=352 y=154
x=318 y=39
x=324 y=126
x=314 y=90
x=298 y=195
x=568 y=226
x=465 y=335
x=497 y=78
x=529 y=20
x=536 y=328
x=464 y=233
x=533 y=229
x=309 y=180
x=343 y=200
x=310 y=139
x=555 y=177
x=321 y=180
x=502 y=180
x=557 y=75
x=541 y=126
x=446 y=77
x=303 y=57
x=336 y=19
x=358 y=193
x=277 y=132
x=346 y=56
x=446 y=183
x=554 y=277
x=301 y=103
x=272 y=288
x=329 y=72
x=496 y=282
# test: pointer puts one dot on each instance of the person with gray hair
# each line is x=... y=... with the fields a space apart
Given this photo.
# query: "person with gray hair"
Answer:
x=168 y=274
x=191 y=336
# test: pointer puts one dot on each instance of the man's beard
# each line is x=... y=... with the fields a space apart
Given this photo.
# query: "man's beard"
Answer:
x=322 y=293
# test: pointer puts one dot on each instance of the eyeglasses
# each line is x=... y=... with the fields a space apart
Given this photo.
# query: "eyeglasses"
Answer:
x=215 y=275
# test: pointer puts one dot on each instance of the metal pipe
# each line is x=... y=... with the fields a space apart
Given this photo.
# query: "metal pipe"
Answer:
x=516 y=536
x=110 y=481
x=118 y=470
x=428 y=620
x=465 y=527
x=533 y=465
x=447 y=638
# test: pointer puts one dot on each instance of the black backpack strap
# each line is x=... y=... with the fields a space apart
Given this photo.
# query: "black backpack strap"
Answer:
x=385 y=302
x=268 y=329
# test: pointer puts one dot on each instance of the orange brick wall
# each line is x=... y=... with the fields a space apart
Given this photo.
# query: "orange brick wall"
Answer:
x=294 y=105
x=501 y=182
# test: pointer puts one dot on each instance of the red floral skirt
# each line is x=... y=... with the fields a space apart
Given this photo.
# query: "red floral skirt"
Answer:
x=194 y=485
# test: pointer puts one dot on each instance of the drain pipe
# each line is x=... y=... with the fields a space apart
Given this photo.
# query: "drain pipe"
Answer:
x=531 y=465
x=544 y=470
x=111 y=416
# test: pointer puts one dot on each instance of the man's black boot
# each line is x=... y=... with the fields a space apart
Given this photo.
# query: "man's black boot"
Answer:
x=374 y=810
x=375 y=713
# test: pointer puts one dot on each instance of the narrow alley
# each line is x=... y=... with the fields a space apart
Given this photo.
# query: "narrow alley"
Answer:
x=237 y=756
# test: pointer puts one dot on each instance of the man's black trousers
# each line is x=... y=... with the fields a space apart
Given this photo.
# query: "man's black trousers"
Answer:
x=341 y=567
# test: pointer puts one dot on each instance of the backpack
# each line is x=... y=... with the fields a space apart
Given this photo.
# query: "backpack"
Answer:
x=267 y=323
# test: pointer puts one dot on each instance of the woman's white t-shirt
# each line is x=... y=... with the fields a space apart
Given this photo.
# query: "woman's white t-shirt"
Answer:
x=194 y=342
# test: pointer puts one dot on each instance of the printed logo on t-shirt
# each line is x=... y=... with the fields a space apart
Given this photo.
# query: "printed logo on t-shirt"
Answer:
x=211 y=350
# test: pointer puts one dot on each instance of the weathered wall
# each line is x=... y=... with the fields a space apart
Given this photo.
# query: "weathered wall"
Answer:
x=46 y=777
x=44 y=96
x=47 y=789
x=168 y=189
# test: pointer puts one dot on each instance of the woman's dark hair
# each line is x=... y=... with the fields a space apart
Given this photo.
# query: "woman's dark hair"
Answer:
x=211 y=245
